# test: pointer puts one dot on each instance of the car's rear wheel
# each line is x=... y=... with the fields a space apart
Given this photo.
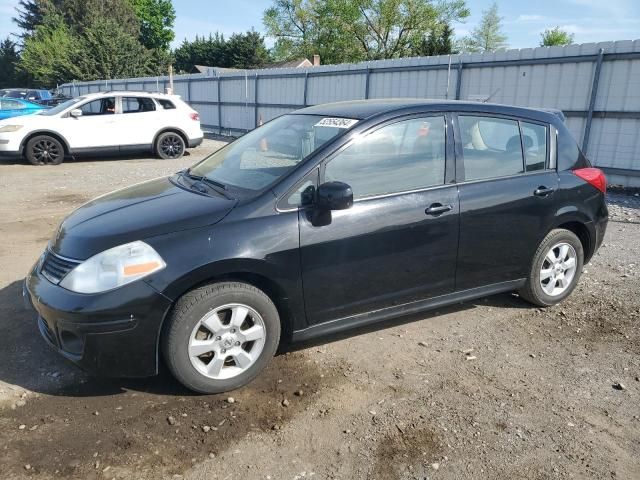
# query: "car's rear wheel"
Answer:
x=555 y=269
x=44 y=150
x=170 y=145
x=220 y=336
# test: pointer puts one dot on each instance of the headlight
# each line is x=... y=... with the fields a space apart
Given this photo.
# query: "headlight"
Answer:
x=113 y=268
x=10 y=128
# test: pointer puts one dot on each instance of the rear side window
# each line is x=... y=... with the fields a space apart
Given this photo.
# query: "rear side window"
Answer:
x=534 y=140
x=569 y=155
x=491 y=147
x=166 y=104
x=137 y=105
x=404 y=156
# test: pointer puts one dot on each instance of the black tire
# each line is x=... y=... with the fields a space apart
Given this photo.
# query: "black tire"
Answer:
x=533 y=291
x=169 y=146
x=188 y=312
x=44 y=150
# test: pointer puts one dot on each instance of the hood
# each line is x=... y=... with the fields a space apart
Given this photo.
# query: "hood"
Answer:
x=141 y=211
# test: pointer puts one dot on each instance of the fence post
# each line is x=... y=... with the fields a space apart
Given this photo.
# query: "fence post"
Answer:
x=189 y=90
x=366 y=83
x=459 y=80
x=592 y=101
x=306 y=85
x=219 y=107
x=255 y=102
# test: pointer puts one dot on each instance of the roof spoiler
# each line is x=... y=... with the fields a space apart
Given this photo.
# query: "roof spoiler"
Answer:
x=556 y=112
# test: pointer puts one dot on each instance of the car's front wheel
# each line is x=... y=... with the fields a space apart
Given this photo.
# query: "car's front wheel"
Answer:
x=44 y=150
x=220 y=336
x=555 y=270
x=170 y=145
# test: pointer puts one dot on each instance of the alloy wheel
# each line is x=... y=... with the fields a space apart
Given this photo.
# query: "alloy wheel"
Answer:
x=558 y=269
x=46 y=152
x=172 y=146
x=227 y=341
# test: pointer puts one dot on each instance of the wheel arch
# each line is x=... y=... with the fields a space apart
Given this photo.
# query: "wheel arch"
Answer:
x=177 y=130
x=249 y=272
x=57 y=136
x=579 y=224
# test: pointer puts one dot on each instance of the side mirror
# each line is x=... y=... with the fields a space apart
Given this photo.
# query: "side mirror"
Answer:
x=75 y=113
x=334 y=196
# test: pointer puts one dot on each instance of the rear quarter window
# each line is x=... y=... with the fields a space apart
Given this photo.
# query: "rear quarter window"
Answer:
x=569 y=154
x=166 y=104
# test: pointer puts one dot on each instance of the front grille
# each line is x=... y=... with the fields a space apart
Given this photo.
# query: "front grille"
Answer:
x=54 y=268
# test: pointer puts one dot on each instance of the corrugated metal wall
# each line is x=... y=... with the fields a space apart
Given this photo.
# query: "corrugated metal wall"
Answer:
x=596 y=85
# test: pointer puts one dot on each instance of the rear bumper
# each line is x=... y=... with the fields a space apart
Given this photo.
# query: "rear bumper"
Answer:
x=194 y=142
x=112 y=334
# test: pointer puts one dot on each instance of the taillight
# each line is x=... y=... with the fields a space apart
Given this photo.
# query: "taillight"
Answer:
x=594 y=176
x=195 y=116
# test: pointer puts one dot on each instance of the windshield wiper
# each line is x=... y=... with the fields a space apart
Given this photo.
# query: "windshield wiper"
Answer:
x=220 y=187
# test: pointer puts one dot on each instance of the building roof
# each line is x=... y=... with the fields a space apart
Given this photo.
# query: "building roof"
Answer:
x=297 y=63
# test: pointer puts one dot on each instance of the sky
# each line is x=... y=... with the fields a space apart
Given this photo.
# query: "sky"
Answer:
x=523 y=20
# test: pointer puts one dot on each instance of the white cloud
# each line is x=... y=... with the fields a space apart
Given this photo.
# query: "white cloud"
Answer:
x=531 y=18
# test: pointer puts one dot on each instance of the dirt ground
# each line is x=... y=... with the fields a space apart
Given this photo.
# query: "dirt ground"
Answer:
x=485 y=389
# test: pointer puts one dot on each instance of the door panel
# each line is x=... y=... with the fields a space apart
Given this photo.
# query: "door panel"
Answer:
x=380 y=252
x=98 y=127
x=502 y=220
x=501 y=224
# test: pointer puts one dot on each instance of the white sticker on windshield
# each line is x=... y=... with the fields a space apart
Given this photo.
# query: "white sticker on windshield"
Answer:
x=336 y=122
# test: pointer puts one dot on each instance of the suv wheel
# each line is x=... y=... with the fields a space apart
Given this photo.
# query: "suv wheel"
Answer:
x=44 y=150
x=169 y=145
x=555 y=270
x=220 y=336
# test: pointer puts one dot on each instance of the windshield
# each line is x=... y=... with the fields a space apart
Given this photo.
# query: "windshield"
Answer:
x=16 y=94
x=265 y=154
x=62 y=106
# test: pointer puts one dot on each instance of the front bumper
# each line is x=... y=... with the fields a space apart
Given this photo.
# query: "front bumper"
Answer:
x=112 y=334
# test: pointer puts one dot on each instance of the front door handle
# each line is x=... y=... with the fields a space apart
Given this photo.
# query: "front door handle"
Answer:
x=543 y=191
x=438 y=209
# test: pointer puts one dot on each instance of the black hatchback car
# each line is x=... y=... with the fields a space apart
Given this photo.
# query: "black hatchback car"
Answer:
x=325 y=219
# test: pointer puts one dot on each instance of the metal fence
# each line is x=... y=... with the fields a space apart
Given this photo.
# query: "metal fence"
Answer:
x=596 y=85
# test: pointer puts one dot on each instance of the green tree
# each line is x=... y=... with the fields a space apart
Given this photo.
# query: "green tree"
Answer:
x=156 y=18
x=438 y=42
x=201 y=51
x=555 y=37
x=356 y=30
x=107 y=50
x=49 y=54
x=8 y=63
x=246 y=50
x=488 y=36
x=29 y=14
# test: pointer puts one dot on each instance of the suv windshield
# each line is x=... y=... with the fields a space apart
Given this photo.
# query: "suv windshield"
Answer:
x=62 y=106
x=265 y=154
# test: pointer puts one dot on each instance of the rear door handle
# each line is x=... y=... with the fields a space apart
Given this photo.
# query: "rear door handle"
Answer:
x=438 y=209
x=543 y=191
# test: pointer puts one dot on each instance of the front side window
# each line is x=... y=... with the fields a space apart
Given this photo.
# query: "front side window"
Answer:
x=101 y=106
x=266 y=154
x=404 y=156
x=491 y=147
x=137 y=104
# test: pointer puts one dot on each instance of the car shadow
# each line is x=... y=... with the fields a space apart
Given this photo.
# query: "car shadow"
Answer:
x=102 y=157
x=27 y=362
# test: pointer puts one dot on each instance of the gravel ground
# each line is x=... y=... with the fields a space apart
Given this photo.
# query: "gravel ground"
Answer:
x=486 y=389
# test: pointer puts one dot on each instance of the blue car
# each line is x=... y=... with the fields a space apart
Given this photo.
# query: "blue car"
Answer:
x=14 y=107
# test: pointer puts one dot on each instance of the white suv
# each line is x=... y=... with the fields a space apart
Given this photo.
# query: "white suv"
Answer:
x=105 y=122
